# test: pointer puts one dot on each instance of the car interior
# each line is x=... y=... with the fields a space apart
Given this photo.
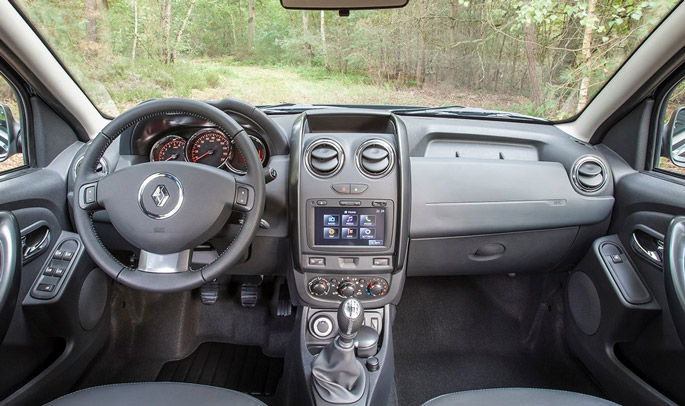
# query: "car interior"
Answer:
x=340 y=255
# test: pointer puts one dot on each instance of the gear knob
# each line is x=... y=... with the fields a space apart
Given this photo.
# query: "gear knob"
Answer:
x=350 y=319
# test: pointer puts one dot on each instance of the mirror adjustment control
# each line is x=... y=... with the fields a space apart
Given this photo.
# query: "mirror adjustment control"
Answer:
x=45 y=287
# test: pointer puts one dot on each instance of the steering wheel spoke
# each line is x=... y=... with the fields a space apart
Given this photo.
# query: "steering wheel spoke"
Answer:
x=164 y=263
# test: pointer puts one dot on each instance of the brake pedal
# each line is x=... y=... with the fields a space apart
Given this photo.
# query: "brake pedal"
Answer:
x=249 y=294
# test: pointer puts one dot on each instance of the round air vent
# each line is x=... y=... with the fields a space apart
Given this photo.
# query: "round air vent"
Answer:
x=375 y=158
x=324 y=158
x=589 y=174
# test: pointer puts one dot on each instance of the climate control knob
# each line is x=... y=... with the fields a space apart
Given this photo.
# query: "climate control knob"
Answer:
x=375 y=288
x=346 y=289
x=319 y=287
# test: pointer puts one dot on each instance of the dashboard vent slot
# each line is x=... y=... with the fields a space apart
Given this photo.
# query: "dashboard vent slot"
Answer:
x=589 y=174
x=375 y=158
x=324 y=158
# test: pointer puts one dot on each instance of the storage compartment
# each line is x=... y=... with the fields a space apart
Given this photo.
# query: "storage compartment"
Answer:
x=528 y=251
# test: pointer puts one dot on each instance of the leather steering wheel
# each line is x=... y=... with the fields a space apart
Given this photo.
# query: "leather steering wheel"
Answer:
x=168 y=208
x=674 y=273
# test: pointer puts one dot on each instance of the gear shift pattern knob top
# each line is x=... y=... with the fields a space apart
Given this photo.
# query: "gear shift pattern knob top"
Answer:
x=350 y=319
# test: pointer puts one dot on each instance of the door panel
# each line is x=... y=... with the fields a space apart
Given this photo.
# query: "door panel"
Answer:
x=50 y=341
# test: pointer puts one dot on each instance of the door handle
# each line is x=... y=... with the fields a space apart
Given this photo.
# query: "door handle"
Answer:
x=34 y=240
x=650 y=247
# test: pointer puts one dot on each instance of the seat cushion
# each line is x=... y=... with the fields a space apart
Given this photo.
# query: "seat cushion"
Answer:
x=156 y=394
x=517 y=396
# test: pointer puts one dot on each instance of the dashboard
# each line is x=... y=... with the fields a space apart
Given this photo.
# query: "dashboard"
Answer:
x=362 y=198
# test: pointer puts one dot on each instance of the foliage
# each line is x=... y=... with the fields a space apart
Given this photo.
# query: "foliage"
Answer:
x=441 y=47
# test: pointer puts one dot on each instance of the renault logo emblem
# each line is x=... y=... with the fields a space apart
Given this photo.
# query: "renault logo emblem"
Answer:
x=160 y=195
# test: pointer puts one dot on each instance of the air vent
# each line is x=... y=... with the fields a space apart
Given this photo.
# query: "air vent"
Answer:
x=589 y=174
x=324 y=158
x=375 y=158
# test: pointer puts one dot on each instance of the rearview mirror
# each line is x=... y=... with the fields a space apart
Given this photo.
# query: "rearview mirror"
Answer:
x=676 y=137
x=342 y=4
x=9 y=133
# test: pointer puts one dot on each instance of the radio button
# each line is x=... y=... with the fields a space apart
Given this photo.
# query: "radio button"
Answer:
x=350 y=203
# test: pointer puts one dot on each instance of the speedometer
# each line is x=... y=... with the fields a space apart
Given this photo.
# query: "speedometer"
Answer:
x=170 y=148
x=236 y=160
x=209 y=147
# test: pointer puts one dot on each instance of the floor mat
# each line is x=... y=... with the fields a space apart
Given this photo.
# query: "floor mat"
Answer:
x=463 y=333
x=242 y=368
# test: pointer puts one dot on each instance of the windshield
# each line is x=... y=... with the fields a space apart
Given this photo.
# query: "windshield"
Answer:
x=541 y=58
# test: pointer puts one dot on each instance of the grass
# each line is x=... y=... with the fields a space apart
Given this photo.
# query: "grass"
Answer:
x=215 y=79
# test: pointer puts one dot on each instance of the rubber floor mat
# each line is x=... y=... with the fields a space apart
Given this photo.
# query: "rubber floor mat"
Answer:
x=238 y=367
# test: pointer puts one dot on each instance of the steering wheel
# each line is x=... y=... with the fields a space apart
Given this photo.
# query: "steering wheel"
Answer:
x=674 y=273
x=167 y=208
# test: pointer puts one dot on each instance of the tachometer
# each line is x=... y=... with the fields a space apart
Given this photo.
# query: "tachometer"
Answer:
x=209 y=147
x=170 y=148
x=236 y=161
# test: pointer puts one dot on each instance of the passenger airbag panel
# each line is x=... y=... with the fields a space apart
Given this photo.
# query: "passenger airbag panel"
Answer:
x=456 y=197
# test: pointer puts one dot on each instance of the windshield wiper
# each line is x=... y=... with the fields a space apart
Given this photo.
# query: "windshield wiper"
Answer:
x=461 y=111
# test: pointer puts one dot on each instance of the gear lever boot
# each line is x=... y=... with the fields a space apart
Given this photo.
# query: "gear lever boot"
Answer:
x=337 y=375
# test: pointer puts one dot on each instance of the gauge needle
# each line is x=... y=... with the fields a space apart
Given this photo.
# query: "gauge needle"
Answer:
x=210 y=152
x=173 y=156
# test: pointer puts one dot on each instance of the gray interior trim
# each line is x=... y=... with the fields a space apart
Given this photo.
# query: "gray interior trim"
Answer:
x=471 y=196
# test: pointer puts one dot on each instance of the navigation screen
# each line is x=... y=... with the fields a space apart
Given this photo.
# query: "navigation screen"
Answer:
x=349 y=226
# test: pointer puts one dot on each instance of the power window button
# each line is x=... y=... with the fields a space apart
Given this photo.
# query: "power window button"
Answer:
x=616 y=258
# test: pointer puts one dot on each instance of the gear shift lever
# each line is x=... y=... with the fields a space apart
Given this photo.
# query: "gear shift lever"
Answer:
x=350 y=320
x=337 y=375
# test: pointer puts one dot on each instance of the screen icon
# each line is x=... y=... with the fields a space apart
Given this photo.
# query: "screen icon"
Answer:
x=331 y=233
x=349 y=233
x=367 y=233
x=367 y=220
x=331 y=220
x=350 y=220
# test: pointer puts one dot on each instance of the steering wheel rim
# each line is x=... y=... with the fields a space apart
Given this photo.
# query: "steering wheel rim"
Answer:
x=115 y=192
x=674 y=273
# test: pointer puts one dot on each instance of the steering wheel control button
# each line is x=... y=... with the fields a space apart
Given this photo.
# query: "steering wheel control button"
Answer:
x=160 y=195
x=381 y=262
x=242 y=196
x=317 y=261
x=357 y=188
x=343 y=188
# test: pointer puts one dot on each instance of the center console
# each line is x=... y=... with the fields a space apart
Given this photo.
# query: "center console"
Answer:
x=349 y=183
x=349 y=199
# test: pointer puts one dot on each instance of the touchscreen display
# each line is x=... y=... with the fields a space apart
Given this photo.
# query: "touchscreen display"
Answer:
x=349 y=226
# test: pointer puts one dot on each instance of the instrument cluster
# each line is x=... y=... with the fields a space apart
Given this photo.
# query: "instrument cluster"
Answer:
x=208 y=146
